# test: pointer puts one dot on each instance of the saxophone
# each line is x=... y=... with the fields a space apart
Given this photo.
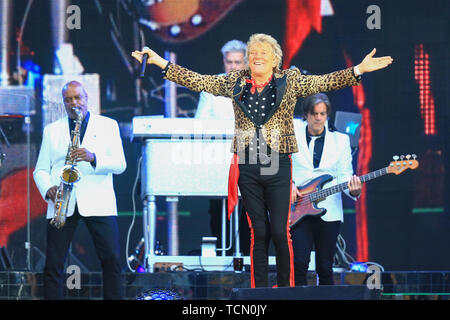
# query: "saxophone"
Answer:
x=69 y=175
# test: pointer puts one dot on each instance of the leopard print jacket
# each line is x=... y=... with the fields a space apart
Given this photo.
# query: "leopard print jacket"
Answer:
x=278 y=131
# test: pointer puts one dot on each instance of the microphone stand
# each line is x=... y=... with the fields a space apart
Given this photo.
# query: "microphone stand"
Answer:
x=3 y=155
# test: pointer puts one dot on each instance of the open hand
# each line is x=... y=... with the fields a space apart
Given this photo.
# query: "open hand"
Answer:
x=370 y=63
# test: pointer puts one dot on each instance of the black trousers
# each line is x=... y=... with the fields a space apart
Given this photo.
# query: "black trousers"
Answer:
x=313 y=231
x=266 y=198
x=215 y=223
x=105 y=234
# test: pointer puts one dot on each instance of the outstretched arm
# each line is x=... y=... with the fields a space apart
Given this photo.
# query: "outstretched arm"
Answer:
x=215 y=84
x=311 y=84
x=370 y=63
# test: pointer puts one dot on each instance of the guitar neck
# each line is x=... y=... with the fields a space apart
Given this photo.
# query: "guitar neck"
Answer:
x=321 y=194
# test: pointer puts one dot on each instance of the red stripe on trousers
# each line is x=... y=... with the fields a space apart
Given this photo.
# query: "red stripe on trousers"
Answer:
x=288 y=232
x=252 y=243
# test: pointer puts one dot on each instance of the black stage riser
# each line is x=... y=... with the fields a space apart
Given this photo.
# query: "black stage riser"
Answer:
x=336 y=292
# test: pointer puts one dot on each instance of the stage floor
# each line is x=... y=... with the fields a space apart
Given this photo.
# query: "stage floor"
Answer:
x=214 y=285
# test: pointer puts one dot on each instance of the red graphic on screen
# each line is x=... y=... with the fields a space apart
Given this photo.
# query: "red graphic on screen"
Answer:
x=422 y=76
x=364 y=157
x=13 y=203
x=180 y=21
x=302 y=16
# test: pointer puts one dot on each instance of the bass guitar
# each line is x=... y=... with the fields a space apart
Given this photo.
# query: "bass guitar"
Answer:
x=313 y=192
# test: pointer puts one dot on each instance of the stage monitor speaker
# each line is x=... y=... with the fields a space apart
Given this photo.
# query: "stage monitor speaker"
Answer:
x=331 y=292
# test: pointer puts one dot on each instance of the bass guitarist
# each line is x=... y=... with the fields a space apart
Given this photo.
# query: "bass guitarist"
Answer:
x=321 y=151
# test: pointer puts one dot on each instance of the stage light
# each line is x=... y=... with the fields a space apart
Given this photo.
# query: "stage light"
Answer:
x=140 y=269
x=150 y=24
x=159 y=294
x=358 y=267
x=196 y=20
x=175 y=30
x=426 y=98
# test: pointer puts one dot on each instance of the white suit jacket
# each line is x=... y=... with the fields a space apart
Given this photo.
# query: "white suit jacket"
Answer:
x=336 y=160
x=94 y=192
x=214 y=107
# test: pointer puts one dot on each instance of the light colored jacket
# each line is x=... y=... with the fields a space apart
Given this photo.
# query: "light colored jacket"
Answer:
x=214 y=107
x=94 y=193
x=336 y=160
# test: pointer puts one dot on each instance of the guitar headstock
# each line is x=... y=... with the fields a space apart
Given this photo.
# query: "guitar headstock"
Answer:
x=403 y=163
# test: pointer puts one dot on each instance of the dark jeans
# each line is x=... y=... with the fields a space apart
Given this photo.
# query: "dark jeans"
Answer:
x=323 y=235
x=267 y=201
x=105 y=234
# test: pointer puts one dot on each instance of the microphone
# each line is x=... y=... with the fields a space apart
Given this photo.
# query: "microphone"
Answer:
x=144 y=62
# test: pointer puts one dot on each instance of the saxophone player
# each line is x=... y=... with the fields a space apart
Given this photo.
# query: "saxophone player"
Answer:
x=98 y=156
